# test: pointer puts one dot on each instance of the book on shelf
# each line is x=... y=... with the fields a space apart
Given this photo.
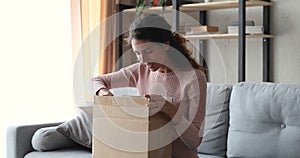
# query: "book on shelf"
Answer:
x=200 y=33
x=249 y=30
x=200 y=30
x=204 y=29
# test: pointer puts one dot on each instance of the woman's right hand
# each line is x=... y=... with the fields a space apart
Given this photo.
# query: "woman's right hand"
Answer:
x=104 y=92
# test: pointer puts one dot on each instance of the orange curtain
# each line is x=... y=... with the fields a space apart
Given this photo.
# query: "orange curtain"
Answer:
x=93 y=44
x=93 y=15
x=107 y=31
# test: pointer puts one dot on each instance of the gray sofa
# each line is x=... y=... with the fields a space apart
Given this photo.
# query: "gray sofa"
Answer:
x=243 y=120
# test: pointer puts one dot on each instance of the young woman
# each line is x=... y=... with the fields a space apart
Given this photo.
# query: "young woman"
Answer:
x=165 y=69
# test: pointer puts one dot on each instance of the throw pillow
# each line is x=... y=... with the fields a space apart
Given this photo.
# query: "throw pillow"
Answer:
x=214 y=141
x=48 y=138
x=79 y=129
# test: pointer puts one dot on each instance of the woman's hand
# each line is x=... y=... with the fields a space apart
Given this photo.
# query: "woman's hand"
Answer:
x=155 y=104
x=104 y=92
x=159 y=104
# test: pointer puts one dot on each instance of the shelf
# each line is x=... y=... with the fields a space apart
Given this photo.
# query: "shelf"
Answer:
x=221 y=36
x=149 y=10
x=221 y=5
x=225 y=36
x=201 y=6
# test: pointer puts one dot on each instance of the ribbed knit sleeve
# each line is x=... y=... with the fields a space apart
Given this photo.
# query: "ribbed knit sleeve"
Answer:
x=125 y=77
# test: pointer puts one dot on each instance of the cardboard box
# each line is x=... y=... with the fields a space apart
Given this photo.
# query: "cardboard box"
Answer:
x=122 y=128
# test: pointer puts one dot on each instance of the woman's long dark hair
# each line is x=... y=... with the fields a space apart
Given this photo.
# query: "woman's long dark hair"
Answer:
x=155 y=28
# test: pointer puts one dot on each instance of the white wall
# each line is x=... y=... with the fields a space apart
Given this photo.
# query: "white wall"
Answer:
x=35 y=63
x=286 y=45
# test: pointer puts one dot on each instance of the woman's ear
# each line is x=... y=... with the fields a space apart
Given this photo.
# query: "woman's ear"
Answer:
x=166 y=45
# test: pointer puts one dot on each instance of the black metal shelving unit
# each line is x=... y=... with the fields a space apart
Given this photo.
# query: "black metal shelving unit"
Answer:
x=242 y=5
x=242 y=42
x=119 y=31
x=241 y=38
x=266 y=43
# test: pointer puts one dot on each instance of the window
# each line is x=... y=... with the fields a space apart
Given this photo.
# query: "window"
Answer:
x=35 y=63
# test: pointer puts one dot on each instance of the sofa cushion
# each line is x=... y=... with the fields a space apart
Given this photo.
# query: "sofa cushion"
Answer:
x=216 y=121
x=210 y=156
x=48 y=138
x=264 y=120
x=62 y=153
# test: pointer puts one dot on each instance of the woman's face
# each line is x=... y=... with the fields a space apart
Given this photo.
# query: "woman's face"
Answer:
x=152 y=54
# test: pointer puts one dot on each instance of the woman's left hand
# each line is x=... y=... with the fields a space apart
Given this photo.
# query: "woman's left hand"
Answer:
x=159 y=104
x=156 y=103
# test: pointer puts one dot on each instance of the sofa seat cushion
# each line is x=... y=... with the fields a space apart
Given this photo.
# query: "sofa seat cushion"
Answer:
x=210 y=156
x=62 y=153
x=264 y=120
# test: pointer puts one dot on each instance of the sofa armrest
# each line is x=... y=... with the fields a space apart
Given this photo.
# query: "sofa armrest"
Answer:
x=18 y=138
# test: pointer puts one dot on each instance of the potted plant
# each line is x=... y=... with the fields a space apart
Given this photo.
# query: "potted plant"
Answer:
x=141 y=4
